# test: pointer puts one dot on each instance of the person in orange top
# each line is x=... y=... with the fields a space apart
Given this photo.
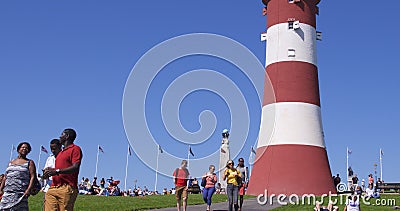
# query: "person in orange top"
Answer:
x=370 y=180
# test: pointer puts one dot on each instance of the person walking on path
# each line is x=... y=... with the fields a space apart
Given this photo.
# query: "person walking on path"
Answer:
x=64 y=189
x=180 y=177
x=244 y=180
x=19 y=180
x=211 y=178
x=232 y=176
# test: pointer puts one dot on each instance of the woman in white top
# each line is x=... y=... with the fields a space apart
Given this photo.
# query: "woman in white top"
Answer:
x=55 y=147
x=370 y=192
x=352 y=204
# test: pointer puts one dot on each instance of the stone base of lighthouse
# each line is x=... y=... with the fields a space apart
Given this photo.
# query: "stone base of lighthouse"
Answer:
x=291 y=169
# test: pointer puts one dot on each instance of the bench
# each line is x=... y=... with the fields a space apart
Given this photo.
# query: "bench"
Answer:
x=388 y=186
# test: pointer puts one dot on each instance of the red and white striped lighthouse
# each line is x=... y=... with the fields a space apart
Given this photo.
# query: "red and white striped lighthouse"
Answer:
x=291 y=155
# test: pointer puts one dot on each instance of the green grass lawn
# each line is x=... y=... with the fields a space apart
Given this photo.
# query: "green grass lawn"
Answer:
x=86 y=202
x=386 y=202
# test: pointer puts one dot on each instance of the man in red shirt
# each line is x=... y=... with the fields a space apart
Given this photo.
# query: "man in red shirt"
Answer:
x=181 y=175
x=64 y=189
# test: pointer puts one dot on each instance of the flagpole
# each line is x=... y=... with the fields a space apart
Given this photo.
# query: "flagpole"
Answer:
x=347 y=164
x=158 y=156
x=97 y=160
x=252 y=159
x=11 y=152
x=126 y=169
x=38 y=163
x=380 y=159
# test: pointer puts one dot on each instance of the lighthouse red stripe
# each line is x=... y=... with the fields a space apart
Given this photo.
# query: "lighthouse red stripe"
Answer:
x=292 y=82
x=303 y=11
x=291 y=169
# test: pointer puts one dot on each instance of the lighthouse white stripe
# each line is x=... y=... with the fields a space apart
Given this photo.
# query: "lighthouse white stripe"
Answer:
x=291 y=123
x=280 y=39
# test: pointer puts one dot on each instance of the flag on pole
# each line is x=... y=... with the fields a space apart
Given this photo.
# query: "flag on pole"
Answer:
x=349 y=151
x=101 y=149
x=129 y=150
x=159 y=148
x=253 y=150
x=190 y=151
x=44 y=149
x=381 y=151
x=12 y=150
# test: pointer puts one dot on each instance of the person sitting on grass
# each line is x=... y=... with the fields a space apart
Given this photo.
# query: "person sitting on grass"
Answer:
x=370 y=193
x=358 y=190
x=218 y=188
x=352 y=204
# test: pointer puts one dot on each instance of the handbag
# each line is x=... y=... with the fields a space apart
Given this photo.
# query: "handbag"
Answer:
x=239 y=179
x=36 y=186
x=204 y=182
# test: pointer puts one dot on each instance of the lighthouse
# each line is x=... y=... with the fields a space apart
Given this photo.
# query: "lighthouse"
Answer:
x=291 y=156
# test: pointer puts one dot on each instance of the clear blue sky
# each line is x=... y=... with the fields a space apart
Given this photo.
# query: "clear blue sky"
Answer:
x=65 y=64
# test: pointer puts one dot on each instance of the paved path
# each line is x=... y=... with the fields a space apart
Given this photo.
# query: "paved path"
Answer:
x=248 y=205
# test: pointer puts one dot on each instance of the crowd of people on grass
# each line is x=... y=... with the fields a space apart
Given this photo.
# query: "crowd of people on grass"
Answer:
x=356 y=191
x=369 y=189
x=110 y=187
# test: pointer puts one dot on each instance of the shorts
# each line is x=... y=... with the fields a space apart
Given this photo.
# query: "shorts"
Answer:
x=181 y=191
x=61 y=197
